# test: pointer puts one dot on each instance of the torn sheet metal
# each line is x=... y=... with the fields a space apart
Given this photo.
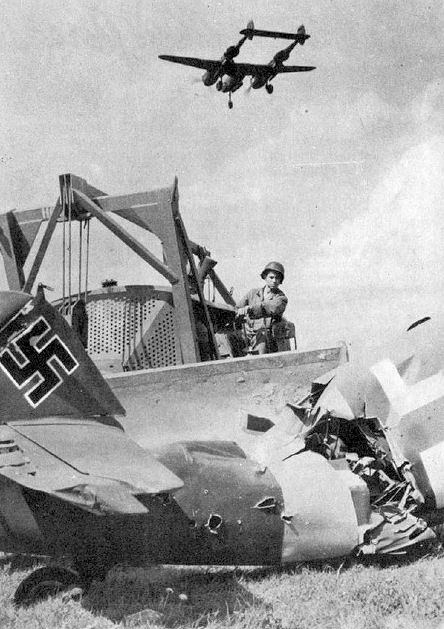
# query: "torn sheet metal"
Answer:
x=395 y=533
x=403 y=389
x=318 y=501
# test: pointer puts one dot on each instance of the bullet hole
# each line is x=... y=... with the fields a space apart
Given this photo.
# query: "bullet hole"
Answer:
x=267 y=504
x=214 y=523
x=287 y=518
x=260 y=469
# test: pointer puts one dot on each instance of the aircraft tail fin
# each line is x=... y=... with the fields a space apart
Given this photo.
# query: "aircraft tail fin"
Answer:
x=302 y=33
x=249 y=31
x=44 y=368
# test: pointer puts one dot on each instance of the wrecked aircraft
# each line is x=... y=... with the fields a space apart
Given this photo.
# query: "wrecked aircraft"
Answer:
x=356 y=467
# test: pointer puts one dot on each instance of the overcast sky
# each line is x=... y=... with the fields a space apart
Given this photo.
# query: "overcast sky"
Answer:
x=338 y=174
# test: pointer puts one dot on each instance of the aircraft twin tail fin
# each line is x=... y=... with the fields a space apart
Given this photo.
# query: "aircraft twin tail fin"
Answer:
x=301 y=32
x=249 y=31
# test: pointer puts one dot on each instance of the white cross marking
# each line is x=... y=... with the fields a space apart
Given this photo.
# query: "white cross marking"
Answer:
x=404 y=398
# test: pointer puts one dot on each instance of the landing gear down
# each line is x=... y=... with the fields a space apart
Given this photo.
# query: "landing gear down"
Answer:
x=269 y=88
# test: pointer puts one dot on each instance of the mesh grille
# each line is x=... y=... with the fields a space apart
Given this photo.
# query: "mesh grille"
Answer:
x=138 y=330
x=158 y=348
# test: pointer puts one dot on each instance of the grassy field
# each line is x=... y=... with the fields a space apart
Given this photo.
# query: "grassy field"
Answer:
x=406 y=594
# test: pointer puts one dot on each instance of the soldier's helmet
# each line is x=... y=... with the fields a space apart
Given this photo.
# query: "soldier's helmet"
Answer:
x=277 y=267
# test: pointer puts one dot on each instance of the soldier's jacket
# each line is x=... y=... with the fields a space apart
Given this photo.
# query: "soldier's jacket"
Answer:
x=262 y=312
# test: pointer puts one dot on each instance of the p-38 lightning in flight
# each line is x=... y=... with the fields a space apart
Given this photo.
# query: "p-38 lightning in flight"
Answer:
x=229 y=75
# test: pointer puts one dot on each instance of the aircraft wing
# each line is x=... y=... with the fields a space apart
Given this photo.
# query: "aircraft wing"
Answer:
x=252 y=69
x=203 y=64
x=296 y=69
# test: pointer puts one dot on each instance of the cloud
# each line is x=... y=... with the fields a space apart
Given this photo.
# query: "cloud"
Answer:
x=397 y=243
x=427 y=108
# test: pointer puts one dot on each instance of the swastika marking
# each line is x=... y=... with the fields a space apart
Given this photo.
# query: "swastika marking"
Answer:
x=37 y=359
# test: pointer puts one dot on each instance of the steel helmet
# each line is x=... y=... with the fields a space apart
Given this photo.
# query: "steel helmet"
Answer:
x=273 y=266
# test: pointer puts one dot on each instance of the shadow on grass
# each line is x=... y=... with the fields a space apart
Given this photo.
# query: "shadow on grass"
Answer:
x=193 y=595
x=17 y=562
x=415 y=553
x=345 y=563
x=179 y=595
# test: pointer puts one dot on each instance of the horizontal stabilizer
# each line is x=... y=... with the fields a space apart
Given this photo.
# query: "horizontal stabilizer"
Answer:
x=92 y=466
x=300 y=36
x=102 y=451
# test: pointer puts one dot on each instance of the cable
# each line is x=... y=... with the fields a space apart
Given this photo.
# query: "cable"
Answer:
x=88 y=220
x=80 y=257
x=63 y=195
x=69 y=248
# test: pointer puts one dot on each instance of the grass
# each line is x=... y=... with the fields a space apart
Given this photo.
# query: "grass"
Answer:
x=406 y=594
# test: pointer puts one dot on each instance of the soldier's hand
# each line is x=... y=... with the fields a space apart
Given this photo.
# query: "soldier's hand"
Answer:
x=242 y=312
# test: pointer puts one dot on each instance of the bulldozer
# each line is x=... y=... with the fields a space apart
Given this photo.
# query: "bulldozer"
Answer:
x=174 y=355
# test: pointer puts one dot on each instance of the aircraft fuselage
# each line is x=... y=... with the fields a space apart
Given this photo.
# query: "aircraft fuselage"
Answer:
x=227 y=69
x=231 y=510
x=229 y=83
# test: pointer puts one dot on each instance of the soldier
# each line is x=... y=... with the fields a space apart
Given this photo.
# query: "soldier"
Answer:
x=262 y=308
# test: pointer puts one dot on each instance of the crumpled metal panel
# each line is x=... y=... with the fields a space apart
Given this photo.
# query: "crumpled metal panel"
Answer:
x=102 y=497
x=403 y=386
x=319 y=515
x=395 y=533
